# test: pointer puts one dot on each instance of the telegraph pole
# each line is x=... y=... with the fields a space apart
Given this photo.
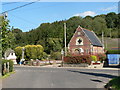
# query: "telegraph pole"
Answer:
x=103 y=38
x=65 y=38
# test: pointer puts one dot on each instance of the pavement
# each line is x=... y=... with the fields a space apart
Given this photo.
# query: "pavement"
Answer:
x=58 y=77
x=57 y=66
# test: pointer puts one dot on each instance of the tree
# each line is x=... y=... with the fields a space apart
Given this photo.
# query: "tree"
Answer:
x=33 y=51
x=7 y=38
x=18 y=52
x=111 y=19
x=99 y=25
x=51 y=35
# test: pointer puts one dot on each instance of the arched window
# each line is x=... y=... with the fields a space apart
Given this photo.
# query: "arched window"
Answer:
x=78 y=51
x=79 y=41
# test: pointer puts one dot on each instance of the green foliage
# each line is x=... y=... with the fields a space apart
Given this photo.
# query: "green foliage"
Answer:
x=94 y=58
x=56 y=55
x=113 y=52
x=18 y=52
x=114 y=83
x=101 y=57
x=77 y=59
x=33 y=51
x=44 y=56
x=7 y=36
x=10 y=66
x=51 y=35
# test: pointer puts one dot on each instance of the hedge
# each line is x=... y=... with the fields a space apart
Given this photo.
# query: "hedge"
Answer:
x=101 y=57
x=113 y=52
x=84 y=59
x=113 y=84
x=10 y=66
x=77 y=59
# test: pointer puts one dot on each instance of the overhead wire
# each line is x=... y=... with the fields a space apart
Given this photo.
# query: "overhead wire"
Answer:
x=20 y=6
x=9 y=3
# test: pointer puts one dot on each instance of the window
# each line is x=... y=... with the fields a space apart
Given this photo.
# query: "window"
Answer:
x=79 y=41
x=78 y=51
x=78 y=33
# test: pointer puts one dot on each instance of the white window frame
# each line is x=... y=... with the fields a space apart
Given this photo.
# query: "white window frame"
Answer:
x=77 y=41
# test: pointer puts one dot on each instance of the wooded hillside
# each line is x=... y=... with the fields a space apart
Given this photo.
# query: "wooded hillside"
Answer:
x=51 y=35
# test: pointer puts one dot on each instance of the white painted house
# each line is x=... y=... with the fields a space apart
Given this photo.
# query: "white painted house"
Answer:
x=10 y=55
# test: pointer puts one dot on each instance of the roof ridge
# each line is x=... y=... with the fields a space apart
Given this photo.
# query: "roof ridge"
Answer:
x=88 y=29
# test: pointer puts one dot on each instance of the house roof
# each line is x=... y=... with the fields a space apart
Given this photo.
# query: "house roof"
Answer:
x=93 y=38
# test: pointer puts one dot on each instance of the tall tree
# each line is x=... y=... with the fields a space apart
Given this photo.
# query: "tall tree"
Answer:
x=7 y=36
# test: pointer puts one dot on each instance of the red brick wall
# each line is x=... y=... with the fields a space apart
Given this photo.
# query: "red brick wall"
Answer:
x=86 y=44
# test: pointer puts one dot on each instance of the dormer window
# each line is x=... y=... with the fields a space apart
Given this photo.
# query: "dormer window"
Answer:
x=79 y=41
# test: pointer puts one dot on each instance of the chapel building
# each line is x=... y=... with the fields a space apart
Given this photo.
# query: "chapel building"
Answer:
x=85 y=42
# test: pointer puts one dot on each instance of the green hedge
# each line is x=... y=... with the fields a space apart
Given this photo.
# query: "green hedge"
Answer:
x=113 y=52
x=10 y=66
x=114 y=83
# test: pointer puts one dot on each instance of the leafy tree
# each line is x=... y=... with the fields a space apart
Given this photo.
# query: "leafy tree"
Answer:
x=18 y=52
x=51 y=35
x=33 y=51
x=56 y=55
x=99 y=25
x=111 y=19
x=7 y=37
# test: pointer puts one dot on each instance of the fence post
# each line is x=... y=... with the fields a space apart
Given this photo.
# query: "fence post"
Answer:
x=4 y=67
x=8 y=66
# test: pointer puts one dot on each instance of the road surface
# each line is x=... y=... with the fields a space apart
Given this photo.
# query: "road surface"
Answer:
x=44 y=77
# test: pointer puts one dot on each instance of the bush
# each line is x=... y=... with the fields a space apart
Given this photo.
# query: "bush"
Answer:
x=101 y=57
x=113 y=52
x=56 y=55
x=114 y=83
x=94 y=58
x=31 y=52
x=10 y=66
x=77 y=59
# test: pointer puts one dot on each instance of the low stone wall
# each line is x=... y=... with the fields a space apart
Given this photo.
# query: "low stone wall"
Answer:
x=76 y=65
x=100 y=65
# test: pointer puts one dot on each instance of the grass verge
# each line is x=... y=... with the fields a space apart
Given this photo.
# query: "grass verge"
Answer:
x=7 y=75
x=113 y=84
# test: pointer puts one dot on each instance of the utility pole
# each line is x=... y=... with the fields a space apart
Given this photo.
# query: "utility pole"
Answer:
x=23 y=50
x=65 y=38
x=103 y=38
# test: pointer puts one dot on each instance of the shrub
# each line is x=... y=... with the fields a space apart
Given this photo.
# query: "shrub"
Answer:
x=113 y=52
x=56 y=55
x=10 y=66
x=77 y=59
x=94 y=58
x=114 y=84
x=101 y=57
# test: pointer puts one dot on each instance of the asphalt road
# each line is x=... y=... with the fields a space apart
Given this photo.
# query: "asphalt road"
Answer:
x=43 y=77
